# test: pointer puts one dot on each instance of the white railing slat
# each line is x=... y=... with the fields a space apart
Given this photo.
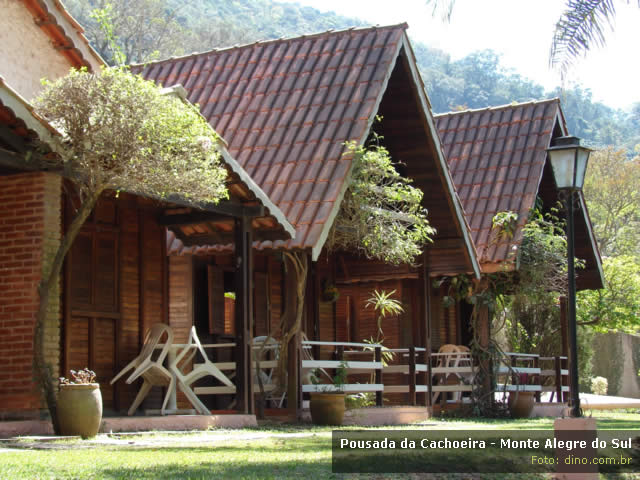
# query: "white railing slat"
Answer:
x=348 y=388
x=335 y=364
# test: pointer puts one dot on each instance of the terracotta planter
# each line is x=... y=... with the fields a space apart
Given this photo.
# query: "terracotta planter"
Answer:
x=327 y=408
x=521 y=404
x=80 y=409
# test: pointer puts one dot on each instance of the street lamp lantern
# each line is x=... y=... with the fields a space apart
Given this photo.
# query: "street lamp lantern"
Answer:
x=569 y=163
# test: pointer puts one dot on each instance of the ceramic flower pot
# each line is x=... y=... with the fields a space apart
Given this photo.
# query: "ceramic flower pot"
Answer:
x=521 y=404
x=80 y=409
x=327 y=408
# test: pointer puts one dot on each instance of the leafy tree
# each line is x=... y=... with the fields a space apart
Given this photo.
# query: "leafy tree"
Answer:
x=145 y=30
x=613 y=199
x=120 y=132
x=617 y=306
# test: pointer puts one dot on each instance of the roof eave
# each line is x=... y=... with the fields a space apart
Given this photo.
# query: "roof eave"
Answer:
x=426 y=110
x=23 y=110
x=233 y=164
x=592 y=240
x=71 y=29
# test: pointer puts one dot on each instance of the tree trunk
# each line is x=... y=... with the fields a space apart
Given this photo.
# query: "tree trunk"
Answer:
x=291 y=321
x=42 y=369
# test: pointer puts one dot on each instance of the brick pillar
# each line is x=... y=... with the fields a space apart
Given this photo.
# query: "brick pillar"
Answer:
x=30 y=229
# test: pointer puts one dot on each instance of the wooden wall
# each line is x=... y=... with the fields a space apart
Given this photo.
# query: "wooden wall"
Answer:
x=115 y=288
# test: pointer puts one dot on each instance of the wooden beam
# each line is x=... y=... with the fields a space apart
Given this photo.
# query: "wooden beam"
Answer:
x=193 y=218
x=220 y=238
x=231 y=209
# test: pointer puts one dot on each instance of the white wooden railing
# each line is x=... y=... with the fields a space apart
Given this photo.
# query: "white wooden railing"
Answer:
x=442 y=377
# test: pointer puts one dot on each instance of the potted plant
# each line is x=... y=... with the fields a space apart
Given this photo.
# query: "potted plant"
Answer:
x=521 y=401
x=79 y=404
x=330 y=292
x=327 y=405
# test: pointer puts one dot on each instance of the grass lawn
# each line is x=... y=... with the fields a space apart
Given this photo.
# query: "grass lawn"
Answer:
x=266 y=452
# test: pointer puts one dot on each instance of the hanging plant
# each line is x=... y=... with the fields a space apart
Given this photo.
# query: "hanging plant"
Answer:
x=330 y=292
x=381 y=215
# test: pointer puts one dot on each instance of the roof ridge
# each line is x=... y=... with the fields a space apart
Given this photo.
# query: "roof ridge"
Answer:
x=402 y=25
x=499 y=107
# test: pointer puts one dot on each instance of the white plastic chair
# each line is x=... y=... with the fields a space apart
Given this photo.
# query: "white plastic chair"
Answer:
x=200 y=370
x=448 y=358
x=152 y=371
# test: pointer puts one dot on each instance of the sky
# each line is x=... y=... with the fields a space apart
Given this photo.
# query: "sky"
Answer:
x=521 y=32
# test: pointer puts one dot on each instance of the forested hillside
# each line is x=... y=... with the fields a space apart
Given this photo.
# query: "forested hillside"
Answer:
x=147 y=29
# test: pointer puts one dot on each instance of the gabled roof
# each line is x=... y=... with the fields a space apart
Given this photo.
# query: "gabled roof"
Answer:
x=498 y=160
x=286 y=107
x=66 y=34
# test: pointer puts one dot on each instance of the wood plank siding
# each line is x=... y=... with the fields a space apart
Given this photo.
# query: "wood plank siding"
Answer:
x=115 y=289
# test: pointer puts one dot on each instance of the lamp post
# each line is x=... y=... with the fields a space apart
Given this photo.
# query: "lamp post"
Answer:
x=569 y=164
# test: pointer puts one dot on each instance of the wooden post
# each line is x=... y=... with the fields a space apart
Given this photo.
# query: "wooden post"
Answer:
x=243 y=315
x=485 y=364
x=564 y=331
x=536 y=364
x=426 y=292
x=412 y=375
x=429 y=399
x=558 y=368
x=378 y=376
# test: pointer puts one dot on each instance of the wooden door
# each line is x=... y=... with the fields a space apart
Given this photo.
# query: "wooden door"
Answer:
x=92 y=307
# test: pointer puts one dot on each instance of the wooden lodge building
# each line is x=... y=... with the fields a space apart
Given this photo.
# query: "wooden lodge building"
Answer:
x=285 y=109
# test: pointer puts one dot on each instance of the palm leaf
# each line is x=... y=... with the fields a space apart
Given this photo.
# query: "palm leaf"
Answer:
x=441 y=7
x=580 y=27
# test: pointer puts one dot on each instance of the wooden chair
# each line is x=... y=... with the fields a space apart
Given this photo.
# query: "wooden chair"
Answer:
x=152 y=372
x=200 y=370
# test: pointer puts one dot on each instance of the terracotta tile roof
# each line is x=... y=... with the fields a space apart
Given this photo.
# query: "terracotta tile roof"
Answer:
x=496 y=156
x=66 y=34
x=285 y=107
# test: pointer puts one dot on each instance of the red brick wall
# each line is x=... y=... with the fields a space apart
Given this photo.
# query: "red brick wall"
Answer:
x=29 y=232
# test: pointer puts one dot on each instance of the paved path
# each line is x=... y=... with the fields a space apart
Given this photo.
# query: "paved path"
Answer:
x=603 y=402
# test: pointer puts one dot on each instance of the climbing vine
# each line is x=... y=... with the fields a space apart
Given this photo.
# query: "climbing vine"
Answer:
x=521 y=304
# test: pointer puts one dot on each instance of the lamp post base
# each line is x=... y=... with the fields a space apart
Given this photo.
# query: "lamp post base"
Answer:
x=582 y=428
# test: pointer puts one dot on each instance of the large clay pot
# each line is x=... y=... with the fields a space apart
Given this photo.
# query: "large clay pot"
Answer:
x=80 y=409
x=327 y=408
x=521 y=404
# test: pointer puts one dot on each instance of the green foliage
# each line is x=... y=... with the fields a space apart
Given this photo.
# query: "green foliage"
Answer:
x=532 y=314
x=599 y=385
x=505 y=223
x=121 y=132
x=360 y=400
x=384 y=306
x=617 y=306
x=381 y=215
x=612 y=195
x=338 y=380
